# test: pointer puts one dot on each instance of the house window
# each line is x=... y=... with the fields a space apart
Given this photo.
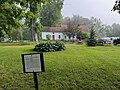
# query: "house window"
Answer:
x=59 y=36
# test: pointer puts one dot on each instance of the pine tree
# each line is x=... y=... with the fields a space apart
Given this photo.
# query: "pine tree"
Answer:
x=91 y=41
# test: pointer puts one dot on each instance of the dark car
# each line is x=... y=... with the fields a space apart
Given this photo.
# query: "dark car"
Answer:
x=116 y=41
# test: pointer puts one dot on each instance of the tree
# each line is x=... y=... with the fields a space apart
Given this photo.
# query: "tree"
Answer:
x=99 y=27
x=108 y=30
x=72 y=26
x=2 y=33
x=12 y=11
x=116 y=7
x=91 y=40
x=34 y=10
x=16 y=35
x=115 y=30
x=51 y=13
x=103 y=30
x=82 y=35
x=10 y=16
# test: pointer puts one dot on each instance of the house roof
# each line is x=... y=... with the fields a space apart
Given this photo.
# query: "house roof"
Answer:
x=53 y=29
x=83 y=28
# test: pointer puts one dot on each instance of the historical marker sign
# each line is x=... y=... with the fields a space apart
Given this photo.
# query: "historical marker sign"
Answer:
x=33 y=62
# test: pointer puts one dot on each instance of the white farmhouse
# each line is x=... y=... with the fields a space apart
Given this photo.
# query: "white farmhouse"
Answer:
x=57 y=33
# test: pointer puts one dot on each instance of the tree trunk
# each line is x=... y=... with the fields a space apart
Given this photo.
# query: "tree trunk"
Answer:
x=32 y=30
x=32 y=24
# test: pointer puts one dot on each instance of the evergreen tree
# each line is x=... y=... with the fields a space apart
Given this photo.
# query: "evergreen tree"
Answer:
x=91 y=41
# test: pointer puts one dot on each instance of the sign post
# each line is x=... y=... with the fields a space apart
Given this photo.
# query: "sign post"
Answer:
x=35 y=80
x=33 y=63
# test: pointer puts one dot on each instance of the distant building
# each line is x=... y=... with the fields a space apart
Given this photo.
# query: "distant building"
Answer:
x=58 y=33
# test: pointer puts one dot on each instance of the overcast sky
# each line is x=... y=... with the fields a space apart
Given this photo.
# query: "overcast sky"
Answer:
x=92 y=8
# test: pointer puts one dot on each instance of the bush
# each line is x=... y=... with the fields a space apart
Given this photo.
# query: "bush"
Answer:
x=63 y=40
x=100 y=42
x=50 y=46
x=48 y=37
x=91 y=42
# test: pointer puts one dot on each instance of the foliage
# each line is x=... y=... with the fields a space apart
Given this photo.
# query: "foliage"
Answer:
x=50 y=46
x=38 y=30
x=12 y=12
x=26 y=34
x=10 y=16
x=72 y=26
x=101 y=30
x=2 y=33
x=91 y=41
x=100 y=42
x=51 y=13
x=16 y=35
x=99 y=27
x=33 y=15
x=48 y=37
x=77 y=20
x=115 y=30
x=116 y=7
x=64 y=40
x=82 y=35
x=110 y=30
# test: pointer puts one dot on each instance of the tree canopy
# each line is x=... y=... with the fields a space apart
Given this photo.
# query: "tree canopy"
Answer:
x=73 y=25
x=10 y=15
x=116 y=7
x=13 y=11
x=51 y=13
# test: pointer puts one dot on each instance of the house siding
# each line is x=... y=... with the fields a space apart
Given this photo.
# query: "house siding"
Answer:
x=57 y=35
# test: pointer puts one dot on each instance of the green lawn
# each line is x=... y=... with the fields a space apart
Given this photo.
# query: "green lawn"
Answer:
x=77 y=68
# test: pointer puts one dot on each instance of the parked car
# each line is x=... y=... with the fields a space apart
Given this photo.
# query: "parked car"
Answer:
x=116 y=41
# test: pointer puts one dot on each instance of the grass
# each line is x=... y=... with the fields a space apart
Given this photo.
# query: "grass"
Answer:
x=77 y=68
x=16 y=43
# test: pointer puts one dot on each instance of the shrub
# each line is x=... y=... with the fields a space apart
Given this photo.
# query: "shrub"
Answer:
x=91 y=42
x=82 y=35
x=100 y=42
x=63 y=40
x=48 y=37
x=50 y=46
